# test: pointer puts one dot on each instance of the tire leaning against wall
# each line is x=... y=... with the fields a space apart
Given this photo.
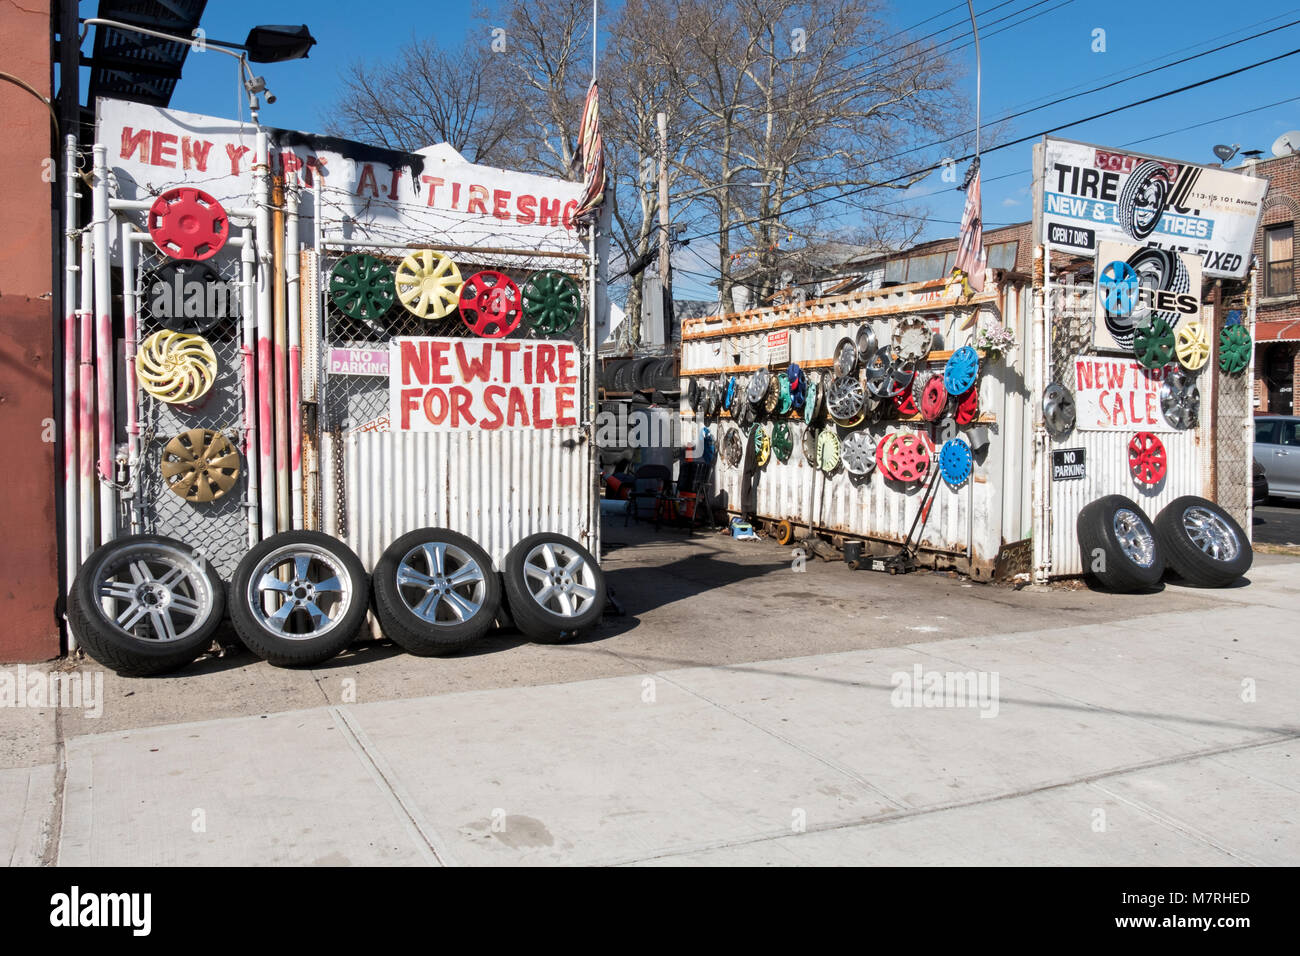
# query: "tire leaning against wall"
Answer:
x=1202 y=542
x=170 y=589
x=1118 y=544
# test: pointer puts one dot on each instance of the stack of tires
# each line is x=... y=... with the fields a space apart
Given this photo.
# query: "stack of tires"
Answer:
x=1124 y=550
x=146 y=604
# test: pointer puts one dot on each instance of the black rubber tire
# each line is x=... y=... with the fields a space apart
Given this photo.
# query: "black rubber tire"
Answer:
x=131 y=656
x=1187 y=559
x=540 y=624
x=643 y=373
x=299 y=652
x=622 y=377
x=408 y=630
x=609 y=374
x=1117 y=571
x=665 y=377
x=1126 y=211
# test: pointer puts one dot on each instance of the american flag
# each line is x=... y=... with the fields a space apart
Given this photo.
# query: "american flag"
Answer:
x=970 y=248
x=590 y=157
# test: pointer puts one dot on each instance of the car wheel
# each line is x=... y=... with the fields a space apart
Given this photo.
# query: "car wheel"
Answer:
x=145 y=604
x=298 y=598
x=1202 y=542
x=435 y=592
x=554 y=587
x=1118 y=544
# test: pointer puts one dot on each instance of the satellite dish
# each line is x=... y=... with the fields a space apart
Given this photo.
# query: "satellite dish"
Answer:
x=1287 y=143
x=1226 y=153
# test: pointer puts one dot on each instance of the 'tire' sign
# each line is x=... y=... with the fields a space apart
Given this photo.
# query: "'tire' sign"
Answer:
x=439 y=384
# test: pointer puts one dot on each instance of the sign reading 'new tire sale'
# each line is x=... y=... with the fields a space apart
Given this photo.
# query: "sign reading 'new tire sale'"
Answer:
x=443 y=384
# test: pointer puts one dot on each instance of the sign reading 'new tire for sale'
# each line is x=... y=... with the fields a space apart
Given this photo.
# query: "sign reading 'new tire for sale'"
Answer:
x=442 y=384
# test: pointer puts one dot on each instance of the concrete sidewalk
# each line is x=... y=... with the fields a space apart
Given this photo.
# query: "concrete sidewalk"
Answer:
x=1165 y=739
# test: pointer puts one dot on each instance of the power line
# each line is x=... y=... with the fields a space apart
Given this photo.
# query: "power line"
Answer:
x=812 y=204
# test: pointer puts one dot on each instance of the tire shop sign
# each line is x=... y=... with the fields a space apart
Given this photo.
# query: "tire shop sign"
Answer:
x=450 y=384
x=1140 y=285
x=1092 y=194
x=1113 y=394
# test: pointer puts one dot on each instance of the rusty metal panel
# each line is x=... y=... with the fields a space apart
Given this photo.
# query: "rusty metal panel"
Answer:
x=495 y=487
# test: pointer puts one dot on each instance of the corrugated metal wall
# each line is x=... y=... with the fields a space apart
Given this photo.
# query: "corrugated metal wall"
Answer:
x=975 y=519
x=495 y=487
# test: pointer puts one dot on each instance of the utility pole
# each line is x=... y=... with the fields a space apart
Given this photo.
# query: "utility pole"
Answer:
x=664 y=283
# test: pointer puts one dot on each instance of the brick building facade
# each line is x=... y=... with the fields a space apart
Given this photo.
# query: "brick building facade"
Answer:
x=1277 y=291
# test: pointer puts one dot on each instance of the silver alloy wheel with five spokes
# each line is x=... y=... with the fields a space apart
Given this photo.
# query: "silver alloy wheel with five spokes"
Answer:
x=559 y=579
x=441 y=583
x=299 y=592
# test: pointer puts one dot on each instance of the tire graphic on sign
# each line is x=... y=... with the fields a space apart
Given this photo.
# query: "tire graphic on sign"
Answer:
x=1142 y=201
x=1158 y=270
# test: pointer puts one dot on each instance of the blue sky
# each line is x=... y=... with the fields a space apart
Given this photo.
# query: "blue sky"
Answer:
x=1052 y=54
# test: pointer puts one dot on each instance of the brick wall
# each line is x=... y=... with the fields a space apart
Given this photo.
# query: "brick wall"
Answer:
x=1281 y=205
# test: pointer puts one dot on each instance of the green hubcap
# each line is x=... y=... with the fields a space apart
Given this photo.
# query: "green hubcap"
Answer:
x=361 y=286
x=1154 y=345
x=1234 y=349
x=552 y=302
x=782 y=442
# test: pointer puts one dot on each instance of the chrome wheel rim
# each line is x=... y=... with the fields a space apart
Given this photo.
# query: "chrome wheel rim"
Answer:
x=299 y=592
x=559 y=579
x=441 y=584
x=154 y=592
x=1135 y=538
x=1211 y=534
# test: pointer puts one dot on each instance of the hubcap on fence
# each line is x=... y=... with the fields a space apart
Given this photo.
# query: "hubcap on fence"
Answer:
x=441 y=584
x=1210 y=533
x=299 y=592
x=559 y=579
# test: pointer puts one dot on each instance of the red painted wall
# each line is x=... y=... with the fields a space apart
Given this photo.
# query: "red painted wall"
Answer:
x=28 y=478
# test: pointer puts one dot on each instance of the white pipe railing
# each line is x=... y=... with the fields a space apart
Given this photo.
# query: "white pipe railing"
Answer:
x=104 y=352
x=293 y=279
x=71 y=551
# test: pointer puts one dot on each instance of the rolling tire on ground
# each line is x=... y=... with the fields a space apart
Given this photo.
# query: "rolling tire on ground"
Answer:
x=435 y=592
x=298 y=598
x=554 y=588
x=145 y=604
x=1202 y=542
x=1118 y=544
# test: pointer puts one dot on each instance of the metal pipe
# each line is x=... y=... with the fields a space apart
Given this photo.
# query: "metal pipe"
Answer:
x=130 y=310
x=104 y=345
x=247 y=348
x=485 y=250
x=265 y=382
x=294 y=281
x=279 y=344
x=86 y=400
x=144 y=205
x=71 y=552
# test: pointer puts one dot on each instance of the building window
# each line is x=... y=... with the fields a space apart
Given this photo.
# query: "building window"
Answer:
x=1002 y=255
x=1279 y=264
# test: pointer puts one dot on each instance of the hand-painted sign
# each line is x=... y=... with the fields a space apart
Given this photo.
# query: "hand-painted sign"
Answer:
x=1113 y=394
x=1123 y=197
x=441 y=384
x=1139 y=284
x=151 y=149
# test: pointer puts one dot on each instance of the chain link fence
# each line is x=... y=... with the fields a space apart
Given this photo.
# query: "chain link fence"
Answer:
x=219 y=528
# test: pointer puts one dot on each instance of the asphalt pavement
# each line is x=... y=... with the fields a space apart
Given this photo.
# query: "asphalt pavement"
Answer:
x=741 y=711
x=1278 y=522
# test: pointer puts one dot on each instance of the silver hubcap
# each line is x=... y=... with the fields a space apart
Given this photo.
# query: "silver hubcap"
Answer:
x=299 y=592
x=1210 y=533
x=154 y=592
x=441 y=584
x=559 y=579
x=1135 y=538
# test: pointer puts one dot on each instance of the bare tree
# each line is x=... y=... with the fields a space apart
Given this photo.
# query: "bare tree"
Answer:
x=429 y=95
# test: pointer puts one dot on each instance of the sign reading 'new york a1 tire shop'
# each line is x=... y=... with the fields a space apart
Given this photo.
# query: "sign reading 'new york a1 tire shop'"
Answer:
x=1092 y=194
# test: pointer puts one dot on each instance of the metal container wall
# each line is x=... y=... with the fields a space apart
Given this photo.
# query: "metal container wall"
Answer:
x=495 y=487
x=972 y=521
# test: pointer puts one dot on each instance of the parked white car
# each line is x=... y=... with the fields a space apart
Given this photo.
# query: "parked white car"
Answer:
x=1277 y=450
